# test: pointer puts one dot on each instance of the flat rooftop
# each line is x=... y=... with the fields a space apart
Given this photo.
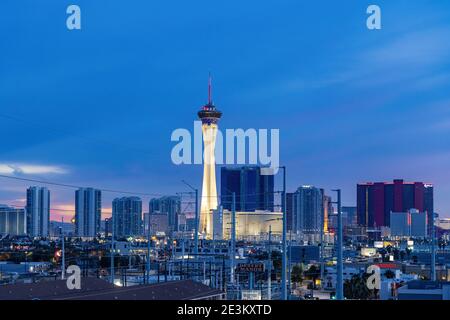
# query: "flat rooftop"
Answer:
x=98 y=289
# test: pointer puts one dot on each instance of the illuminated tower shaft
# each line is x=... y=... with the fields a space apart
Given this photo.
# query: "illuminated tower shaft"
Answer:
x=209 y=188
x=209 y=116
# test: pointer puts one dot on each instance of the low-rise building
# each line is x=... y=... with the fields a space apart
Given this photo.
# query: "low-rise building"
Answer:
x=249 y=225
x=409 y=224
x=424 y=290
x=12 y=221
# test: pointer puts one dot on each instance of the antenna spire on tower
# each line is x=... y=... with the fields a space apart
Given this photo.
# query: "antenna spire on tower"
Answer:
x=209 y=89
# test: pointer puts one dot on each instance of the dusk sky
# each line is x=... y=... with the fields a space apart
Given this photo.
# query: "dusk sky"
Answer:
x=97 y=106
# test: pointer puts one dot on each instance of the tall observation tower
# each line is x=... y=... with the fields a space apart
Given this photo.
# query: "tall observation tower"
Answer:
x=209 y=116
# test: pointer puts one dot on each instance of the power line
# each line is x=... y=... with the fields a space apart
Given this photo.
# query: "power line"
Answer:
x=65 y=185
x=80 y=187
x=117 y=191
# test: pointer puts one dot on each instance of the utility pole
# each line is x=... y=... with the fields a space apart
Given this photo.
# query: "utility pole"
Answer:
x=195 y=228
x=233 y=237
x=112 y=248
x=340 y=280
x=148 y=251
x=284 y=249
x=63 y=262
x=196 y=218
x=269 y=269
x=183 y=246
x=322 y=223
x=173 y=268
x=289 y=263
x=433 y=249
x=204 y=272
x=196 y=224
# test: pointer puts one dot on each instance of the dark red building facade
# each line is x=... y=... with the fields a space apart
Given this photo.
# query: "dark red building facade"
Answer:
x=376 y=200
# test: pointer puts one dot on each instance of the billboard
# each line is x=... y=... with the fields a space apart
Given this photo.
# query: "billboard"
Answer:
x=250 y=267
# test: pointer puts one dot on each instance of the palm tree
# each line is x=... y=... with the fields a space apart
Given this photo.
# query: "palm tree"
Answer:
x=356 y=288
x=297 y=274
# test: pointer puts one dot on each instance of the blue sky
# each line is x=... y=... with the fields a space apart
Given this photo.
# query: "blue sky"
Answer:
x=97 y=107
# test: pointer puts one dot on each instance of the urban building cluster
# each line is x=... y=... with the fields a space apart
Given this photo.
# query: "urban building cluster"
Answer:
x=252 y=239
x=34 y=221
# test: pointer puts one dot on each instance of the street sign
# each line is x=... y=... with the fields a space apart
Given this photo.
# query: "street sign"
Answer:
x=251 y=295
x=250 y=267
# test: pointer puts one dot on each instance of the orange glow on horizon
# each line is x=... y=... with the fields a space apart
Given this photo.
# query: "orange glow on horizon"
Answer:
x=67 y=211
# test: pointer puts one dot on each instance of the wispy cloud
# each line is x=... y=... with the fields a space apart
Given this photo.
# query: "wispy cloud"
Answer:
x=433 y=81
x=443 y=125
x=417 y=49
x=410 y=57
x=21 y=169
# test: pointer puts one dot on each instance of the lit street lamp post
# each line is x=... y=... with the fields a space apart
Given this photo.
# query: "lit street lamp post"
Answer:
x=340 y=280
x=63 y=253
x=112 y=248
x=283 y=254
x=433 y=249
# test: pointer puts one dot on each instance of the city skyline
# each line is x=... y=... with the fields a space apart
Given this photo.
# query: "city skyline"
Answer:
x=355 y=106
x=236 y=153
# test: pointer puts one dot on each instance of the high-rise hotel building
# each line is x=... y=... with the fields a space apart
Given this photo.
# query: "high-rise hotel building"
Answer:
x=376 y=201
x=88 y=211
x=169 y=206
x=253 y=190
x=38 y=211
x=308 y=209
x=12 y=221
x=127 y=216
